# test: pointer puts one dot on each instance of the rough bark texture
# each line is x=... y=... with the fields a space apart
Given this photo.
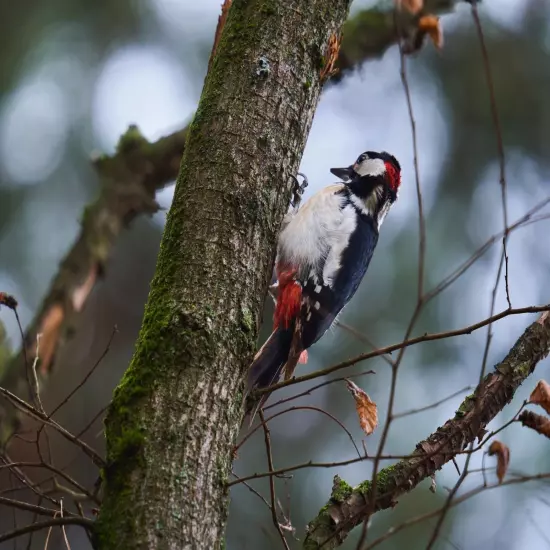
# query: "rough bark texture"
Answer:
x=347 y=506
x=177 y=410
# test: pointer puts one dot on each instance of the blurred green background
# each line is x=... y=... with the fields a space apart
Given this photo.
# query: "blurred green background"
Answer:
x=74 y=75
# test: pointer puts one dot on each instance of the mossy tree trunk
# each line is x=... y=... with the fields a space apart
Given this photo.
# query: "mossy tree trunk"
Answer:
x=177 y=411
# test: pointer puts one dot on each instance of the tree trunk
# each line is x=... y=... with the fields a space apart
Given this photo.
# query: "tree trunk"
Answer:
x=177 y=411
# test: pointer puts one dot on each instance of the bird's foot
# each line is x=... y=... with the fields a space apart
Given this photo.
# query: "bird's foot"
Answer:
x=298 y=189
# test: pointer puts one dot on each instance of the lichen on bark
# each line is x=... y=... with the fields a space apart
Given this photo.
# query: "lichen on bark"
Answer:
x=338 y=517
x=176 y=413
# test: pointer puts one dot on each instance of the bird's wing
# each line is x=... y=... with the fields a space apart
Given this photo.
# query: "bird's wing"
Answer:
x=325 y=294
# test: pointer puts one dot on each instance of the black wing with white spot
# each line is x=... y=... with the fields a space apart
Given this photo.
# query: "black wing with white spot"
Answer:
x=326 y=292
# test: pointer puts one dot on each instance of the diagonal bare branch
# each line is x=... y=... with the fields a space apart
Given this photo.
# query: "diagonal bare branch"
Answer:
x=335 y=520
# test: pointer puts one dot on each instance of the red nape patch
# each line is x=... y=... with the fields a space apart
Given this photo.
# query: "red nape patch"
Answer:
x=394 y=175
x=289 y=300
x=303 y=357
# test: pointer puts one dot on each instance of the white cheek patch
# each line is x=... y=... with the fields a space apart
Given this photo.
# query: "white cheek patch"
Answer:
x=371 y=167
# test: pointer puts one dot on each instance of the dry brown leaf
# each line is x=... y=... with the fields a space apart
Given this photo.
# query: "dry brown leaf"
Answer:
x=429 y=24
x=366 y=408
x=412 y=6
x=503 y=458
x=541 y=395
x=51 y=324
x=80 y=294
x=7 y=300
x=330 y=58
x=536 y=422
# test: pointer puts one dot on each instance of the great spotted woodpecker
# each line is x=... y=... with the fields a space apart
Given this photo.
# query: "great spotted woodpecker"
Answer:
x=323 y=252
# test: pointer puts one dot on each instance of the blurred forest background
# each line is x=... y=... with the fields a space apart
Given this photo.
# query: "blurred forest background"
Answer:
x=74 y=75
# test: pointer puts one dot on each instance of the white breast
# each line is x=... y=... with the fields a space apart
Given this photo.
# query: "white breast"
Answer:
x=320 y=229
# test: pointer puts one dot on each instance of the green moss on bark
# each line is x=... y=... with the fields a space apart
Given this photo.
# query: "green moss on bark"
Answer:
x=176 y=413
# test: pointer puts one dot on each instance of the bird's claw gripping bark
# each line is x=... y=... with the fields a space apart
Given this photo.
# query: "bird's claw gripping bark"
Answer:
x=298 y=189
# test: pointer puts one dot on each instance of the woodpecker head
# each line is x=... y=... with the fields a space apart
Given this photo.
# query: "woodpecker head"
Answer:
x=371 y=170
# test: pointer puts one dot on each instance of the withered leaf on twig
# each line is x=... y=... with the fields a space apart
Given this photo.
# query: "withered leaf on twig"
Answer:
x=50 y=330
x=503 y=458
x=429 y=24
x=536 y=422
x=329 y=60
x=541 y=395
x=366 y=408
x=7 y=300
x=81 y=293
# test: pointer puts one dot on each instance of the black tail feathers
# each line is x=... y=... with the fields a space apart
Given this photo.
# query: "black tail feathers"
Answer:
x=267 y=365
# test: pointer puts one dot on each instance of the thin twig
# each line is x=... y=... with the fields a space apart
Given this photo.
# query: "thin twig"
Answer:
x=432 y=405
x=21 y=505
x=23 y=346
x=63 y=529
x=34 y=519
x=35 y=388
x=448 y=502
x=521 y=222
x=251 y=489
x=53 y=469
x=459 y=500
x=420 y=289
x=90 y=372
x=24 y=479
x=267 y=439
x=362 y=338
x=299 y=408
x=313 y=388
x=404 y=344
x=31 y=411
x=54 y=522
x=498 y=134
x=91 y=422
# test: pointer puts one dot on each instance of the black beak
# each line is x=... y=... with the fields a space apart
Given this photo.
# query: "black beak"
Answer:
x=345 y=174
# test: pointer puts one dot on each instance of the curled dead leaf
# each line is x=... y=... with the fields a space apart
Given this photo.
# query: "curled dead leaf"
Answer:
x=367 y=411
x=503 y=458
x=81 y=293
x=330 y=58
x=537 y=422
x=541 y=395
x=7 y=300
x=49 y=328
x=429 y=24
